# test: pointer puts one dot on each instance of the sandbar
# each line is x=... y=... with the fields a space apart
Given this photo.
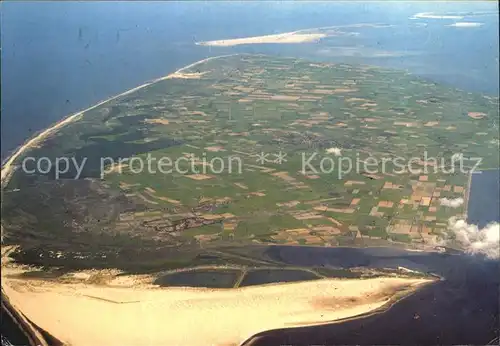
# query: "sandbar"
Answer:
x=288 y=37
x=84 y=314
x=298 y=36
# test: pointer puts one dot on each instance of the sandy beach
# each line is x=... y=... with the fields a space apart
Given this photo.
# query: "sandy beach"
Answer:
x=298 y=36
x=288 y=37
x=84 y=314
x=7 y=165
x=79 y=313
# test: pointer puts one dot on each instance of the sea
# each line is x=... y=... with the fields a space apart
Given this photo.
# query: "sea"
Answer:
x=61 y=57
x=484 y=202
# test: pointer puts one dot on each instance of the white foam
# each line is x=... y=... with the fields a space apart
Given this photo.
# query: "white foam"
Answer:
x=432 y=15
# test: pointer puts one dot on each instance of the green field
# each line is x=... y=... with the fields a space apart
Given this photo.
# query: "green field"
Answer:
x=234 y=136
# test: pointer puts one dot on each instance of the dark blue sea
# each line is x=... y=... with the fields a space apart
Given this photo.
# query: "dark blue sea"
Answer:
x=484 y=199
x=61 y=57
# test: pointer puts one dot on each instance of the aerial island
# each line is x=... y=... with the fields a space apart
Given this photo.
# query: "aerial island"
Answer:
x=261 y=157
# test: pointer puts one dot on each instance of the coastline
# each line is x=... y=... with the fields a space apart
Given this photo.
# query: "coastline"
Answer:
x=8 y=168
x=298 y=36
x=81 y=113
x=7 y=164
x=388 y=305
x=289 y=37
x=224 y=316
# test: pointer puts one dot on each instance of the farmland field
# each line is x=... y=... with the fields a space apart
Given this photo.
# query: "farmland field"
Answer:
x=251 y=149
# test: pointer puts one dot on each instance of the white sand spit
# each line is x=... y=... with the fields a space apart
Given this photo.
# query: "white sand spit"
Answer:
x=80 y=314
x=288 y=37
x=298 y=36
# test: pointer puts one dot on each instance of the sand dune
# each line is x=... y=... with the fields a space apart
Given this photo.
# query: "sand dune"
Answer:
x=82 y=314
